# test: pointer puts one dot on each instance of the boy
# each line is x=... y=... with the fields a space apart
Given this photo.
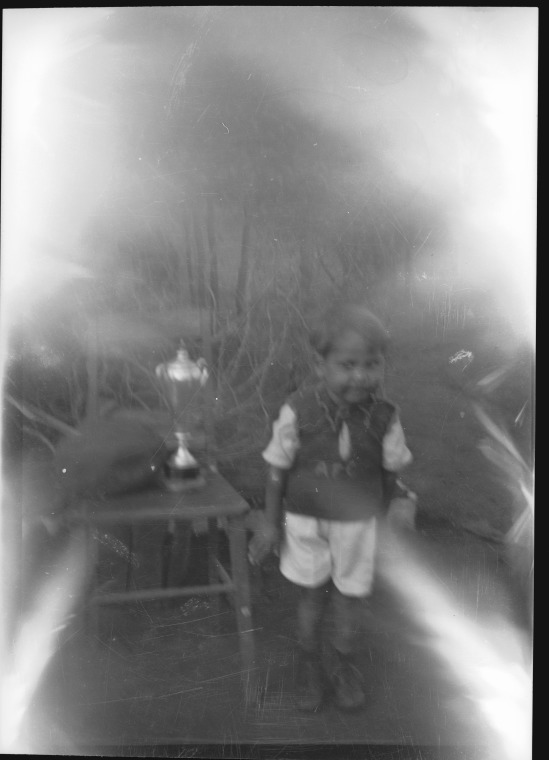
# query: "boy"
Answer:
x=333 y=458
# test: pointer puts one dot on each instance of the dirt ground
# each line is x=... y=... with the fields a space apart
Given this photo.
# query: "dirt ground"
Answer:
x=167 y=679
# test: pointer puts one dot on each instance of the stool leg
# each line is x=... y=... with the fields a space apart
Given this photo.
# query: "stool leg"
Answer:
x=91 y=611
x=130 y=559
x=180 y=553
x=213 y=575
x=240 y=576
x=166 y=554
x=213 y=549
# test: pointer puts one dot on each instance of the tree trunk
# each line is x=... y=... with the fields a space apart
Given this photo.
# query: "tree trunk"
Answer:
x=305 y=272
x=190 y=268
x=408 y=270
x=243 y=269
x=92 y=371
x=212 y=247
x=200 y=286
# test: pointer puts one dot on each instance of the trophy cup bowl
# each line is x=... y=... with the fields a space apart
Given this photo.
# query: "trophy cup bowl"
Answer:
x=182 y=381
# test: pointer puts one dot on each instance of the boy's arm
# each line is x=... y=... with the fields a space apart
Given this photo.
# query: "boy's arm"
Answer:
x=389 y=487
x=275 y=489
x=393 y=488
x=396 y=456
x=279 y=455
x=267 y=533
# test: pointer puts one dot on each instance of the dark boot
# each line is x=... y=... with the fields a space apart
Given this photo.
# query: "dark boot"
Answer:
x=309 y=684
x=347 y=682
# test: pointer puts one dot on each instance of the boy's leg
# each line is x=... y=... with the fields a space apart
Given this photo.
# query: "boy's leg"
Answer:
x=353 y=552
x=310 y=612
x=305 y=561
x=345 y=677
x=348 y=614
x=310 y=686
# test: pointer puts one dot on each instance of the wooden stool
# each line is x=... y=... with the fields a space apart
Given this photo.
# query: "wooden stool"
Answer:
x=215 y=502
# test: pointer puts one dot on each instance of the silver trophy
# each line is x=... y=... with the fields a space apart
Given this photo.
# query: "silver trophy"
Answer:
x=182 y=380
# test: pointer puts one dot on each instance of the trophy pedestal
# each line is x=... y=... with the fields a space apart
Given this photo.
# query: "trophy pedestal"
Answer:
x=182 y=472
x=186 y=479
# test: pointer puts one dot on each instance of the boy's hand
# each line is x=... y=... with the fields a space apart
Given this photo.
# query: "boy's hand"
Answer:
x=265 y=540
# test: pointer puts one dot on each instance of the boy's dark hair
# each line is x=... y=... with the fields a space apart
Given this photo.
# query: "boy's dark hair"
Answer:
x=349 y=318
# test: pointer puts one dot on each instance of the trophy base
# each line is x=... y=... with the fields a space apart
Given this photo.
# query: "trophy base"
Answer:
x=182 y=478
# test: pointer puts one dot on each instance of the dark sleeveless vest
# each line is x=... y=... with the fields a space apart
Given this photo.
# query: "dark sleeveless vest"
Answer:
x=321 y=484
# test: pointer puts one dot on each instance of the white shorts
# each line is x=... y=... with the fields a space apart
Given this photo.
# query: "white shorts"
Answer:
x=313 y=551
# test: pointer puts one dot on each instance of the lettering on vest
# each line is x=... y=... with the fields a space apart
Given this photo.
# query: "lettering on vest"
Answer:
x=322 y=470
x=325 y=470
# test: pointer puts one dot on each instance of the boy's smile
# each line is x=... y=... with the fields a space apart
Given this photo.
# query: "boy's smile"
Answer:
x=352 y=371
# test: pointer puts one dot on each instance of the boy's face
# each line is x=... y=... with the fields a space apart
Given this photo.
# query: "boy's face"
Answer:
x=352 y=370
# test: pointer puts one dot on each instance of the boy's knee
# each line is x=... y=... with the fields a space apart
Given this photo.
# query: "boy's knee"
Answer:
x=313 y=599
x=348 y=618
x=349 y=601
x=314 y=592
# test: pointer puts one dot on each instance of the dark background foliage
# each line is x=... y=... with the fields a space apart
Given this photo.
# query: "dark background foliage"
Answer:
x=230 y=171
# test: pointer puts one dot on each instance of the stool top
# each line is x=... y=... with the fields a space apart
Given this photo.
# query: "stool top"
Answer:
x=216 y=498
